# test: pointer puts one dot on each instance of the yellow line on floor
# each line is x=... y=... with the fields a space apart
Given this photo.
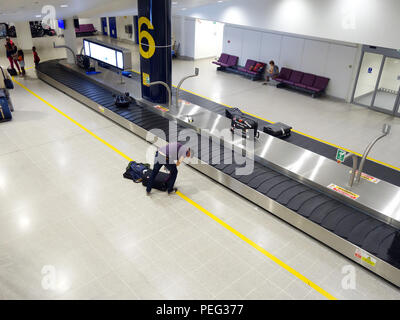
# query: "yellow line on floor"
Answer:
x=299 y=132
x=206 y=212
x=259 y=248
x=73 y=121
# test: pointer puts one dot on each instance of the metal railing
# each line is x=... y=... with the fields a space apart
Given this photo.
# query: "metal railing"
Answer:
x=178 y=88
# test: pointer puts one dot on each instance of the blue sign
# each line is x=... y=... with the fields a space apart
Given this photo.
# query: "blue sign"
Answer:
x=369 y=70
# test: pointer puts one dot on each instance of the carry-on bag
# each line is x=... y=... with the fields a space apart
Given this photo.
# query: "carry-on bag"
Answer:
x=5 y=113
x=279 y=130
x=230 y=113
x=245 y=125
x=134 y=171
x=160 y=182
x=123 y=101
x=12 y=72
x=8 y=84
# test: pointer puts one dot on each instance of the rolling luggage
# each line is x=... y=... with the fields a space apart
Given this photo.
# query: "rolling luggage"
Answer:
x=12 y=72
x=279 y=130
x=5 y=113
x=160 y=182
x=8 y=84
x=230 y=113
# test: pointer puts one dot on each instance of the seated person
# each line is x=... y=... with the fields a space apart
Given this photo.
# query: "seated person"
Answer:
x=272 y=72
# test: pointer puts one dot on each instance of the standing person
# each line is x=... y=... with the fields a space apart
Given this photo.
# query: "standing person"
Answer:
x=272 y=72
x=36 y=58
x=21 y=61
x=11 y=51
x=170 y=156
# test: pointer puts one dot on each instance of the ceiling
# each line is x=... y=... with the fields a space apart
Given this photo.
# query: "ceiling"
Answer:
x=22 y=10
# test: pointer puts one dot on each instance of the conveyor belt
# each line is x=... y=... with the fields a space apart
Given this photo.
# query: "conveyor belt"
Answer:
x=349 y=223
x=372 y=168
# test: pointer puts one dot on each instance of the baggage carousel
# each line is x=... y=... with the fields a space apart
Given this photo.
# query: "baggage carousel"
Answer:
x=287 y=180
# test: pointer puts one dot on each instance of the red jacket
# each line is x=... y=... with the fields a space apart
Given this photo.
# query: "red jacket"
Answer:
x=36 y=57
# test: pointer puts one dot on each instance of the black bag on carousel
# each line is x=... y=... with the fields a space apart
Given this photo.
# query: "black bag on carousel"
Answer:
x=230 y=113
x=279 y=130
x=123 y=101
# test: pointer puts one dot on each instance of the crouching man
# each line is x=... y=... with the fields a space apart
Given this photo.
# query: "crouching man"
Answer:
x=170 y=156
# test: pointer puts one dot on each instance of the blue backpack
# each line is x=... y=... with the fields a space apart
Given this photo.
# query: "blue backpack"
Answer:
x=134 y=171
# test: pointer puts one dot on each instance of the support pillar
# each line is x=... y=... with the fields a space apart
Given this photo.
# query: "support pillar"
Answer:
x=70 y=39
x=155 y=48
x=24 y=35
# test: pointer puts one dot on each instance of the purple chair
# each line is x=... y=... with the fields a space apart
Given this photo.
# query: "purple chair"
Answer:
x=295 y=77
x=232 y=61
x=319 y=85
x=284 y=74
x=307 y=81
x=222 y=59
x=249 y=64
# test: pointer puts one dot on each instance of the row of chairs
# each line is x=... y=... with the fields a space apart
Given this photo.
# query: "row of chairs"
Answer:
x=298 y=80
x=252 y=69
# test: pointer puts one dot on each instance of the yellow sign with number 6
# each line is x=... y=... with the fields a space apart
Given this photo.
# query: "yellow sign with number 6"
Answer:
x=146 y=35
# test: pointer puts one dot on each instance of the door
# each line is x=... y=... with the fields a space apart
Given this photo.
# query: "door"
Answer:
x=104 y=28
x=112 y=21
x=368 y=78
x=387 y=93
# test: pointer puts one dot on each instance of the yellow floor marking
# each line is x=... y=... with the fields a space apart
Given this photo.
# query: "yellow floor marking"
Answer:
x=209 y=214
x=73 y=121
x=298 y=132
x=259 y=248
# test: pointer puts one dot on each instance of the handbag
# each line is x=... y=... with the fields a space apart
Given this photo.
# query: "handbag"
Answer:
x=7 y=82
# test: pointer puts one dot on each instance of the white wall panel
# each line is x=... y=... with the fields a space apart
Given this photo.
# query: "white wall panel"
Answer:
x=340 y=68
x=189 y=38
x=291 y=52
x=251 y=45
x=270 y=48
x=315 y=56
x=233 y=41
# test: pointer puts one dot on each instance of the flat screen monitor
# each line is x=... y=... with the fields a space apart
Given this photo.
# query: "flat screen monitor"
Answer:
x=61 y=24
x=108 y=55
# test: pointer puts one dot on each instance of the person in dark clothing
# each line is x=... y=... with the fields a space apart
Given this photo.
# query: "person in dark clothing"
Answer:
x=170 y=156
x=36 y=58
x=21 y=61
x=11 y=51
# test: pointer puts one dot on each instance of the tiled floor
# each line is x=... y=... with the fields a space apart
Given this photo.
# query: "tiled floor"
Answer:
x=68 y=215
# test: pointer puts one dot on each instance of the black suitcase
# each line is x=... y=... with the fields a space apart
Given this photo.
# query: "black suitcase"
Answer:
x=83 y=61
x=123 y=101
x=230 y=113
x=160 y=182
x=278 y=129
x=5 y=113
x=12 y=72
x=244 y=124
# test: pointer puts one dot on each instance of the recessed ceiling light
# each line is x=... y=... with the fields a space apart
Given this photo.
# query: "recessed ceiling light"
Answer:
x=64 y=6
x=38 y=15
x=174 y=3
x=183 y=9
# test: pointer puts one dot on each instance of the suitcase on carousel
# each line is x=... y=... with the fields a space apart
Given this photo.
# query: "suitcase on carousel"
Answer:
x=279 y=130
x=160 y=182
x=230 y=113
x=5 y=113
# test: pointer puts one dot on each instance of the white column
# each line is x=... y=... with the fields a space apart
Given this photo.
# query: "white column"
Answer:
x=70 y=39
x=24 y=36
